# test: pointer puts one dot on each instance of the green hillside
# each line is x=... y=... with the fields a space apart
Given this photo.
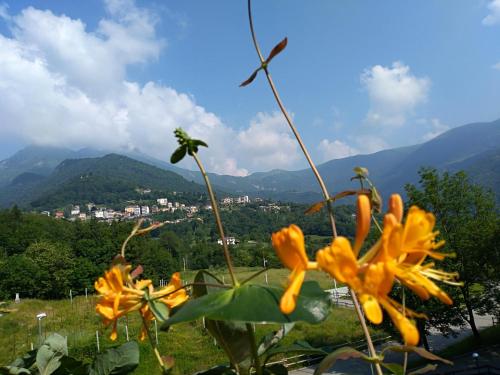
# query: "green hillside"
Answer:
x=107 y=180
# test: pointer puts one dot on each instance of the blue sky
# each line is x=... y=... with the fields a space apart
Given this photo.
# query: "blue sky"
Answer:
x=358 y=76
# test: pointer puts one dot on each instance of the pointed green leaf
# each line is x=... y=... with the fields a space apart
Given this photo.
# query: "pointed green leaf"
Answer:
x=178 y=154
x=394 y=368
x=342 y=353
x=116 y=361
x=256 y=303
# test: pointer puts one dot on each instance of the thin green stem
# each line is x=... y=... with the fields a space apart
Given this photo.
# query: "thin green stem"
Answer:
x=152 y=341
x=253 y=345
x=321 y=183
x=254 y=275
x=218 y=220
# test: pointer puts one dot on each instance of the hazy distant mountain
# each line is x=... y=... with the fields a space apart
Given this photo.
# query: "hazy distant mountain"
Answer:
x=469 y=147
x=474 y=148
x=108 y=179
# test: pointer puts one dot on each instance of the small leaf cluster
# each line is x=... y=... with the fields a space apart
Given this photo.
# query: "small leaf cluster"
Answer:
x=186 y=145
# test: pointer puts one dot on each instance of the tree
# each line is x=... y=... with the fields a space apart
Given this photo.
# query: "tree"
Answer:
x=466 y=217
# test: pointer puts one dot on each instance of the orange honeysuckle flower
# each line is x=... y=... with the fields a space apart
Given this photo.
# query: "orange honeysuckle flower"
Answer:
x=119 y=295
x=398 y=254
x=290 y=247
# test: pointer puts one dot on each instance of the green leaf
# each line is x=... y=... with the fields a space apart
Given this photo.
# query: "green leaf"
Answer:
x=116 y=361
x=342 y=353
x=199 y=142
x=178 y=154
x=159 y=310
x=48 y=357
x=273 y=338
x=276 y=369
x=233 y=337
x=256 y=303
x=394 y=368
x=300 y=346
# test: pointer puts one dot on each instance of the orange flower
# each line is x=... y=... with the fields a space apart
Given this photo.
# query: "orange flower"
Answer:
x=120 y=295
x=290 y=247
x=398 y=254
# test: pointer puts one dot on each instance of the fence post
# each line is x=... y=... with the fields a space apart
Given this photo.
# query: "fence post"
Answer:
x=97 y=341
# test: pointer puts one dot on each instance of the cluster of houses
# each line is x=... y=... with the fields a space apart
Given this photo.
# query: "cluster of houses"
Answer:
x=244 y=199
x=129 y=212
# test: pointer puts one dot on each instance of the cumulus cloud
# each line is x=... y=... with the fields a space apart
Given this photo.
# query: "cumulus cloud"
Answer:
x=436 y=128
x=494 y=16
x=394 y=93
x=335 y=149
x=64 y=85
x=269 y=142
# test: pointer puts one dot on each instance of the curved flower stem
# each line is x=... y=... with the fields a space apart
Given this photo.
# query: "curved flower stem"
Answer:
x=316 y=174
x=132 y=234
x=215 y=208
x=152 y=341
x=321 y=183
x=253 y=345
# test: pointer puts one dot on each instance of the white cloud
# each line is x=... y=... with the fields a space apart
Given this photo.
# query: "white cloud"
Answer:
x=268 y=143
x=394 y=93
x=63 y=85
x=436 y=128
x=494 y=16
x=335 y=149
x=496 y=66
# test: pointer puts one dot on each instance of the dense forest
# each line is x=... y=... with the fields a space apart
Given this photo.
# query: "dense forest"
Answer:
x=44 y=257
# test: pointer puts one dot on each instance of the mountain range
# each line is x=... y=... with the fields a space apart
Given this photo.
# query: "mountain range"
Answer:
x=37 y=173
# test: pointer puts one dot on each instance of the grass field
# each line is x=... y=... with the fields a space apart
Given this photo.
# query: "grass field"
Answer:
x=190 y=345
